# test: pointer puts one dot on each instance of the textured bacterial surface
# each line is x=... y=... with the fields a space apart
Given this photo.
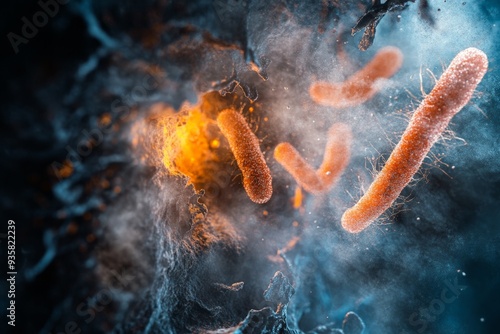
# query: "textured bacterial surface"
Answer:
x=133 y=207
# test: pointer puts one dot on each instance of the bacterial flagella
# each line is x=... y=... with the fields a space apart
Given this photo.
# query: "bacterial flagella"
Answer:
x=451 y=93
x=254 y=167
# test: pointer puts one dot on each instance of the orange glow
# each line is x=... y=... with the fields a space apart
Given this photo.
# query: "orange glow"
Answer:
x=215 y=143
x=194 y=149
x=186 y=147
x=297 y=199
x=184 y=143
x=188 y=142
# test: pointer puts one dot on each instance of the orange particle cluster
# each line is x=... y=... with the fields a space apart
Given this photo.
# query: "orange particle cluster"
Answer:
x=257 y=179
x=361 y=86
x=336 y=158
x=451 y=93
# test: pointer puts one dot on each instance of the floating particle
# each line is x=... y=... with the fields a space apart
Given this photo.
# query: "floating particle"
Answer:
x=451 y=93
x=336 y=158
x=215 y=143
x=361 y=86
x=257 y=179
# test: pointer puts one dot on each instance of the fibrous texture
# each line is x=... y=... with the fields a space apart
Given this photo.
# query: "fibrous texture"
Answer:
x=451 y=93
x=257 y=179
x=336 y=158
x=361 y=86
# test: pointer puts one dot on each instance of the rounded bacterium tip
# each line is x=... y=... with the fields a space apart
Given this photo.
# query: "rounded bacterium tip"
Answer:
x=451 y=93
x=257 y=179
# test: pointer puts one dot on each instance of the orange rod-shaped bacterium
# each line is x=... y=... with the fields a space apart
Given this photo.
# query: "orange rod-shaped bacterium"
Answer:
x=451 y=93
x=335 y=159
x=337 y=153
x=361 y=86
x=301 y=171
x=257 y=179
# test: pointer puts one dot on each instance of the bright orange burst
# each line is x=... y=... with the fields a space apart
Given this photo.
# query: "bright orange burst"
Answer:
x=194 y=149
x=186 y=142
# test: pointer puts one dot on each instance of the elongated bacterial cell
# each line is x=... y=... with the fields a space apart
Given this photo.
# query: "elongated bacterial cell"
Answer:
x=335 y=159
x=257 y=179
x=362 y=85
x=451 y=93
